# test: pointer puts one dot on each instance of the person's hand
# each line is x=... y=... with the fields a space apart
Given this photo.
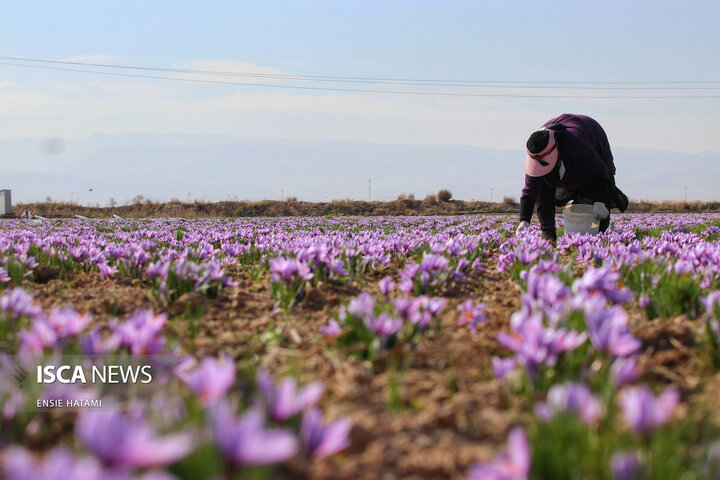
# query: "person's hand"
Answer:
x=522 y=226
x=600 y=210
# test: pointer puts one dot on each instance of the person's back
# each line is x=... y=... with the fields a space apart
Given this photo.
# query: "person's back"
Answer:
x=569 y=159
x=589 y=130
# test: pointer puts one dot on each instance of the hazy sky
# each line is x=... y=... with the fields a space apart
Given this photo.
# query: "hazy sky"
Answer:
x=510 y=41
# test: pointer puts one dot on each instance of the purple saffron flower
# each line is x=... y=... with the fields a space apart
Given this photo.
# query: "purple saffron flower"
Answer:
x=477 y=266
x=406 y=285
x=246 y=441
x=503 y=366
x=324 y=440
x=57 y=464
x=19 y=303
x=408 y=309
x=127 y=441
x=608 y=327
x=211 y=379
x=38 y=338
x=157 y=269
x=288 y=270
x=515 y=465
x=643 y=411
x=472 y=315
x=4 y=277
x=535 y=345
x=434 y=264
x=338 y=267
x=331 y=330
x=625 y=465
x=142 y=333
x=106 y=270
x=624 y=371
x=285 y=400
x=546 y=294
x=66 y=322
x=386 y=285
x=570 y=398
x=602 y=281
x=433 y=305
x=94 y=343
x=711 y=304
x=383 y=325
x=362 y=306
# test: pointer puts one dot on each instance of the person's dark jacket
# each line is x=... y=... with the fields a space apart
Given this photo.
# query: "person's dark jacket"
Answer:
x=584 y=150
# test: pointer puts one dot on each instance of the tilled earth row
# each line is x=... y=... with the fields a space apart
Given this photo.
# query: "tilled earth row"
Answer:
x=430 y=411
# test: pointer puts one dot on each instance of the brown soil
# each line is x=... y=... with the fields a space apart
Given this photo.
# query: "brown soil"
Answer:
x=448 y=413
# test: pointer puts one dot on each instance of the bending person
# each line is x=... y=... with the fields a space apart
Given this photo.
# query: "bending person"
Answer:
x=569 y=158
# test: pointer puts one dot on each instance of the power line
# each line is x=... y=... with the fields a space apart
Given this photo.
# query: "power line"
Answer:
x=359 y=90
x=403 y=81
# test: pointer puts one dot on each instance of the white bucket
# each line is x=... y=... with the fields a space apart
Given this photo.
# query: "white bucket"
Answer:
x=580 y=219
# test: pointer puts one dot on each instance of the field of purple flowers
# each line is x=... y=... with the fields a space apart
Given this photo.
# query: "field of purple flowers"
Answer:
x=366 y=347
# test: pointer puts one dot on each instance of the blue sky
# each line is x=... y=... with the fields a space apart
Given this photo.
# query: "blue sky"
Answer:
x=529 y=41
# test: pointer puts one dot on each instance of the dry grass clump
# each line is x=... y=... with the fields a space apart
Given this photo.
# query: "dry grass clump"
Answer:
x=444 y=195
x=405 y=204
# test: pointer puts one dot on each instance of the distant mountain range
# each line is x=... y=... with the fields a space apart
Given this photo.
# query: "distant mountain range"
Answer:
x=209 y=167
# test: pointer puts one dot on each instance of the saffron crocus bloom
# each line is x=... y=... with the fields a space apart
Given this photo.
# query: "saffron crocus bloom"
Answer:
x=434 y=264
x=106 y=270
x=503 y=366
x=535 y=345
x=246 y=441
x=602 y=281
x=324 y=440
x=433 y=305
x=157 y=269
x=66 y=322
x=17 y=302
x=383 y=325
x=625 y=465
x=94 y=343
x=609 y=330
x=288 y=270
x=127 y=442
x=515 y=465
x=472 y=315
x=38 y=338
x=331 y=330
x=386 y=285
x=211 y=379
x=712 y=304
x=643 y=411
x=546 y=293
x=570 y=398
x=285 y=400
x=408 y=309
x=362 y=306
x=142 y=333
x=57 y=464
x=624 y=371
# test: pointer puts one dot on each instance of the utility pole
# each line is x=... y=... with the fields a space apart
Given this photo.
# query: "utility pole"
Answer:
x=369 y=189
x=491 y=194
x=685 y=194
x=282 y=195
